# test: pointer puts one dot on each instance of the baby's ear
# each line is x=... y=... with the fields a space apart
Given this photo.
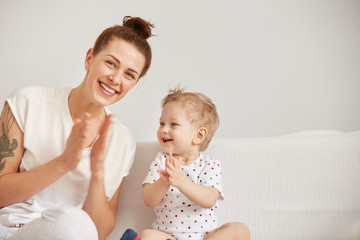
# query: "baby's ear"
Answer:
x=200 y=135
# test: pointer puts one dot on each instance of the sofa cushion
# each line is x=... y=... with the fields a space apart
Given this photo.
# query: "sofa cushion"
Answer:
x=300 y=186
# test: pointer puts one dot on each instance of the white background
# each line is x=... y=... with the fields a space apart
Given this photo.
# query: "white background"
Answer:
x=271 y=67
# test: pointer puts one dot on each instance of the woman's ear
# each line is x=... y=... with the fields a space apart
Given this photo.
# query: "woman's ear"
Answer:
x=200 y=135
x=88 y=58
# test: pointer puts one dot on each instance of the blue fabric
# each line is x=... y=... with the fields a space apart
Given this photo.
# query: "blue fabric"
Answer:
x=129 y=234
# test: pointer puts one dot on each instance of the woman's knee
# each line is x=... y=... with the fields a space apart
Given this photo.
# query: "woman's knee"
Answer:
x=59 y=224
x=73 y=223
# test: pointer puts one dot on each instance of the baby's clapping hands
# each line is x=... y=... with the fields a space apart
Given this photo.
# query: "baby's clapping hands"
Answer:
x=173 y=173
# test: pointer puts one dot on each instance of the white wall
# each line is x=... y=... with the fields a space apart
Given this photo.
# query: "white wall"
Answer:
x=271 y=67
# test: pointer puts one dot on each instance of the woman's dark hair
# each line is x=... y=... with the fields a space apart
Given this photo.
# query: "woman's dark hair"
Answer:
x=135 y=31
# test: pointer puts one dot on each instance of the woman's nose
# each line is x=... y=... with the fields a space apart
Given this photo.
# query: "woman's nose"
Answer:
x=116 y=77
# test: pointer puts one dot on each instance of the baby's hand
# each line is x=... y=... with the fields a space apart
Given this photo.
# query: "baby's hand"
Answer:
x=174 y=171
x=163 y=172
x=164 y=175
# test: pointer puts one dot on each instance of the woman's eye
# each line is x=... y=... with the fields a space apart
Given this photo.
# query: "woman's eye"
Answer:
x=130 y=75
x=110 y=63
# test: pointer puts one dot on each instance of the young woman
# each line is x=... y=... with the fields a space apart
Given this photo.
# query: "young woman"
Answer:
x=63 y=157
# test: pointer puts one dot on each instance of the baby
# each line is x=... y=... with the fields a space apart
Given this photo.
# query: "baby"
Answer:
x=183 y=185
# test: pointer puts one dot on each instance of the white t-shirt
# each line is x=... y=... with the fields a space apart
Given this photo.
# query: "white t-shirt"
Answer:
x=44 y=117
x=176 y=213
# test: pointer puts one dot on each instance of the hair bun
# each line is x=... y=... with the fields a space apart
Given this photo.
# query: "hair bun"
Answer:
x=142 y=27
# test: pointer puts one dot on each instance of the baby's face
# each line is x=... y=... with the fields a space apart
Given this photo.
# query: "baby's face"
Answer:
x=176 y=132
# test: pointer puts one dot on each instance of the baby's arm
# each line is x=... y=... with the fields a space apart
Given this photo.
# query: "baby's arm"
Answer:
x=203 y=196
x=156 y=184
x=153 y=193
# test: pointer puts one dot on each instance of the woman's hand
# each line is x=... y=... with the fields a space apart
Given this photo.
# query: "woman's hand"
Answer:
x=97 y=155
x=75 y=143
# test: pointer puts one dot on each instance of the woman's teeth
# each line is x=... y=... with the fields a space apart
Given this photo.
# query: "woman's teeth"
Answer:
x=107 y=88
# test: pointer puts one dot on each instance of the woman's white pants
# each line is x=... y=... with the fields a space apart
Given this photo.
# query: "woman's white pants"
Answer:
x=57 y=224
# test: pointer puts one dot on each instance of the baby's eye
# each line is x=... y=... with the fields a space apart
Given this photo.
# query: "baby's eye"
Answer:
x=162 y=124
x=174 y=124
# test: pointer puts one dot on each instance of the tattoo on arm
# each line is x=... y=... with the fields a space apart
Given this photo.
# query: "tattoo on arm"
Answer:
x=6 y=148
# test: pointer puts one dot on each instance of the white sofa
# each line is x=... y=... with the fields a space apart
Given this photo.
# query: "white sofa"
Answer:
x=303 y=186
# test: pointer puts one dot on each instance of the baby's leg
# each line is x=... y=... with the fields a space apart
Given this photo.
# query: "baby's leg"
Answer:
x=152 y=234
x=230 y=231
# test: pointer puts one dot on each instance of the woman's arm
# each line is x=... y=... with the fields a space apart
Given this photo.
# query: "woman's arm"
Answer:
x=17 y=186
x=101 y=211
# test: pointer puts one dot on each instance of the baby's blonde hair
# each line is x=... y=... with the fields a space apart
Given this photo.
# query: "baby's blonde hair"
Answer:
x=199 y=108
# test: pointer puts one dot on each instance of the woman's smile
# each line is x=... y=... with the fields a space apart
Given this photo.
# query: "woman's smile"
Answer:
x=106 y=89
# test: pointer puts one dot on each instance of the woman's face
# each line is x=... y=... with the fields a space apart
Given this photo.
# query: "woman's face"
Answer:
x=113 y=71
